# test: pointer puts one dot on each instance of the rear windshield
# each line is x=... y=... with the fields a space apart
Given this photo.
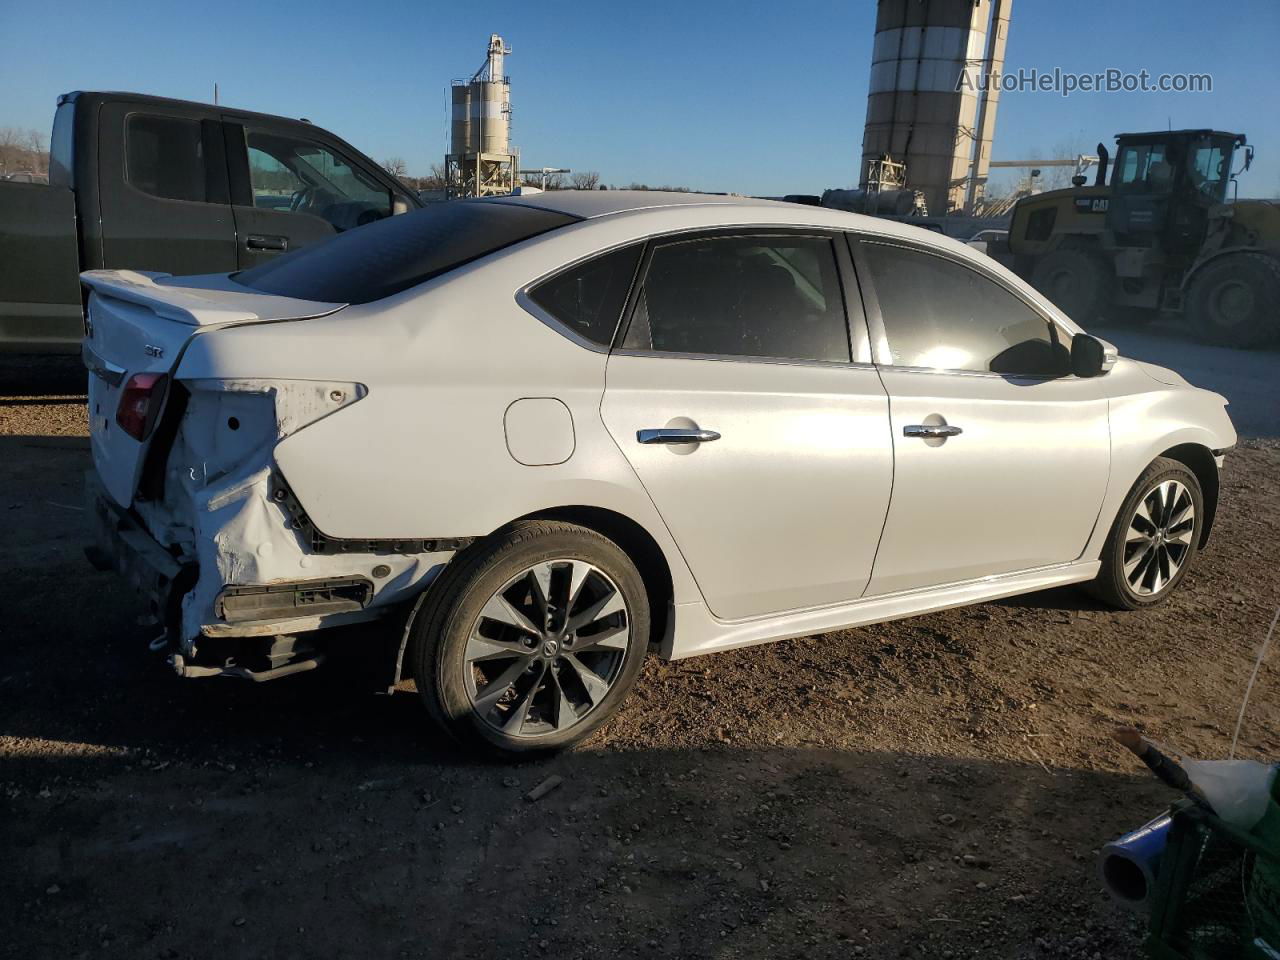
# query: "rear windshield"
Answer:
x=383 y=258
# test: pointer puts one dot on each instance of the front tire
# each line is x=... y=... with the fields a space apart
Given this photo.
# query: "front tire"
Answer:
x=1232 y=300
x=531 y=639
x=1154 y=539
x=1079 y=282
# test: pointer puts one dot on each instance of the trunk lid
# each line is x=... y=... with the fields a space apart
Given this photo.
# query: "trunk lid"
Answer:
x=139 y=323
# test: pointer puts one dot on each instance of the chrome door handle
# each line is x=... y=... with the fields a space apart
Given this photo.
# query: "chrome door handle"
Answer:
x=671 y=435
x=931 y=431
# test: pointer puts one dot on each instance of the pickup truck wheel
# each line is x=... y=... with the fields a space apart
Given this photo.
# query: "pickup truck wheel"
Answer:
x=1078 y=282
x=1154 y=538
x=532 y=638
x=1231 y=301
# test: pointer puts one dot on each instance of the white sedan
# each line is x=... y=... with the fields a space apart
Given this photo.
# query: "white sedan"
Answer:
x=537 y=438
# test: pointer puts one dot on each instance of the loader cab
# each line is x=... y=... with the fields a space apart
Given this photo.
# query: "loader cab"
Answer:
x=1164 y=185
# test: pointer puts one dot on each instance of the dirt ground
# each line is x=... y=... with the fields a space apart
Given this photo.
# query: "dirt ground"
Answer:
x=934 y=787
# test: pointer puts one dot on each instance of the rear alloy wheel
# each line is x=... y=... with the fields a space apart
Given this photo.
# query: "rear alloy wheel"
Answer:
x=533 y=640
x=1078 y=282
x=1154 y=538
x=1232 y=301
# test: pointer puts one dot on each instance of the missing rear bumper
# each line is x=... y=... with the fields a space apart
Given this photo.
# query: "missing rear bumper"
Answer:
x=285 y=601
x=120 y=543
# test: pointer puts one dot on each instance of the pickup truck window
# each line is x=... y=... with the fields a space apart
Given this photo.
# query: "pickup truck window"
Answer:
x=164 y=156
x=60 y=145
x=301 y=176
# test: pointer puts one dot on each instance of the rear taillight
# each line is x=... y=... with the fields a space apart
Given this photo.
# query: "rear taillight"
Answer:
x=140 y=404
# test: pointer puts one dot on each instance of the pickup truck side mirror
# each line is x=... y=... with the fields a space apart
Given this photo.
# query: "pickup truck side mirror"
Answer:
x=1091 y=357
x=399 y=205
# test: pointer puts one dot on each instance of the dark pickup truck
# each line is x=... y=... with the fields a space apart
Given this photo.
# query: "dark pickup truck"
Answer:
x=153 y=184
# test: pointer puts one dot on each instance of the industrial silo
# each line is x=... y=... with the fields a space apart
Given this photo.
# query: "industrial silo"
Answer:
x=480 y=161
x=460 y=141
x=490 y=115
x=927 y=105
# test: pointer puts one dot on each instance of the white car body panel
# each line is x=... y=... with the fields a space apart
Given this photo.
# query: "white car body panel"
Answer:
x=1147 y=418
x=954 y=516
x=450 y=425
x=812 y=438
x=701 y=633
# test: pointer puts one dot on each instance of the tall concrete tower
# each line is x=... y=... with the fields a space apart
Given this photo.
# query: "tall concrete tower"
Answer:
x=930 y=114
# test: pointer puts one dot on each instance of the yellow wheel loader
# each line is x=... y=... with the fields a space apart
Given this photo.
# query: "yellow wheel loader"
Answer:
x=1162 y=235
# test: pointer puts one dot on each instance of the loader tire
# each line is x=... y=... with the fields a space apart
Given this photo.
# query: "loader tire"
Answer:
x=1232 y=301
x=1078 y=282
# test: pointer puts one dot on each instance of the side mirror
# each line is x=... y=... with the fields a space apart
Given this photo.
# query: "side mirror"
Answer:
x=1089 y=357
x=399 y=205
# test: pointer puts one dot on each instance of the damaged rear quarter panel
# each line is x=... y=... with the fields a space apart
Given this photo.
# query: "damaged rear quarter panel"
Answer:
x=218 y=508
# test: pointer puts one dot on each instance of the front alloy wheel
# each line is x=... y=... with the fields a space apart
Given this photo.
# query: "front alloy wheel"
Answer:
x=1159 y=537
x=1154 y=538
x=531 y=638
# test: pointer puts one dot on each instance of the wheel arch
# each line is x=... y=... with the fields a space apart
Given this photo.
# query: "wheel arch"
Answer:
x=1199 y=460
x=637 y=542
x=1214 y=258
x=640 y=545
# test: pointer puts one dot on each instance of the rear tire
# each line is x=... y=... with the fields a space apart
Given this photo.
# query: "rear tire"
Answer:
x=1154 y=539
x=531 y=639
x=1078 y=282
x=1232 y=301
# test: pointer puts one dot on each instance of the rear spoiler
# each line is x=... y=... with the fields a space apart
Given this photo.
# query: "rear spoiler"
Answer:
x=212 y=300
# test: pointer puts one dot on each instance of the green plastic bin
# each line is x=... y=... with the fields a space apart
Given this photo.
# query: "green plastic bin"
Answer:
x=1217 y=893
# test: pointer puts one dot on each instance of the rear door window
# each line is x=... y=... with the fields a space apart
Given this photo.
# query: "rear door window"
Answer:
x=588 y=298
x=743 y=296
x=164 y=157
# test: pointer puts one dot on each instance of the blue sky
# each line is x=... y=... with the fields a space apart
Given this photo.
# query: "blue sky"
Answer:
x=753 y=97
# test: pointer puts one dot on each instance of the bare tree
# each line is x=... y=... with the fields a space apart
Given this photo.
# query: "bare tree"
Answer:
x=586 y=180
x=1055 y=178
x=666 y=188
x=23 y=151
x=435 y=178
x=396 y=167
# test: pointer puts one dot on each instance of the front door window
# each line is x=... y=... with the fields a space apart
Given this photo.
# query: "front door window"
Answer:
x=301 y=176
x=941 y=315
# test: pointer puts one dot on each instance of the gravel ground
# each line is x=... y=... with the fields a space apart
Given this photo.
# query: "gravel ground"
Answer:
x=934 y=787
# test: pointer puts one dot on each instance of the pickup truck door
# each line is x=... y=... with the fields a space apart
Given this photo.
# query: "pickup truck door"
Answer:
x=293 y=187
x=163 y=195
x=39 y=285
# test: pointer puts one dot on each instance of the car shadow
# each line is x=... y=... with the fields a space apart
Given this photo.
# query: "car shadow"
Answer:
x=312 y=820
x=28 y=380
x=1072 y=597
